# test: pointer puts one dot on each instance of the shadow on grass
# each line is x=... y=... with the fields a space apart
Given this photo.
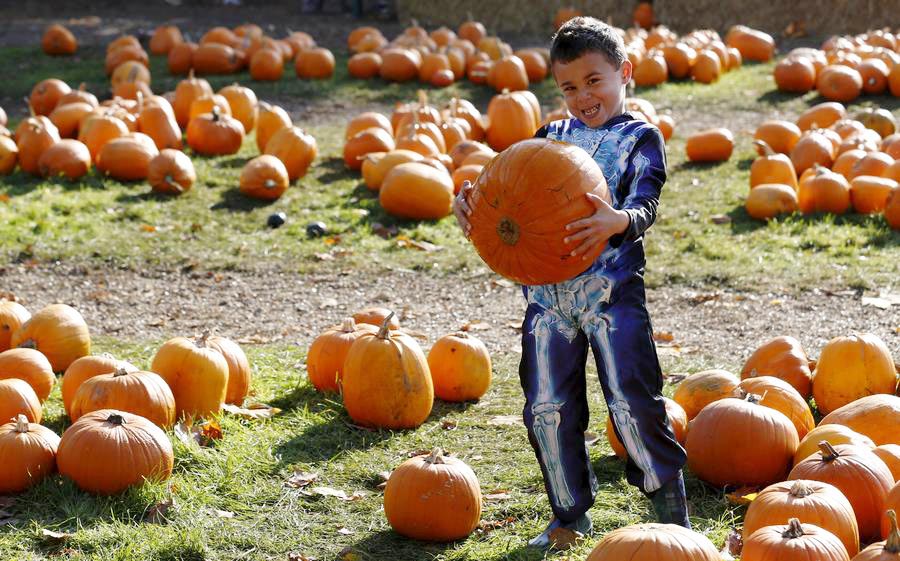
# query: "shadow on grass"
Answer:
x=236 y=162
x=234 y=201
x=145 y=197
x=21 y=183
x=333 y=169
x=696 y=166
x=388 y=544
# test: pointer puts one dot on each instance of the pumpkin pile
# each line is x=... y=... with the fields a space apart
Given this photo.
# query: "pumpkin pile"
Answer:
x=843 y=68
x=827 y=161
x=443 y=56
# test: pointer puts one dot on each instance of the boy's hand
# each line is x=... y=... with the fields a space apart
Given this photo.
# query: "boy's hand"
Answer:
x=596 y=228
x=461 y=208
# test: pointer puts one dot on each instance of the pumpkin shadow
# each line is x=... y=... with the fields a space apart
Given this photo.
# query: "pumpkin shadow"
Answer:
x=323 y=441
x=333 y=169
x=388 y=544
x=235 y=162
x=145 y=197
x=688 y=165
x=234 y=201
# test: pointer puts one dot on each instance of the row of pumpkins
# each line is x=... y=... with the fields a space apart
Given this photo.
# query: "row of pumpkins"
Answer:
x=844 y=68
x=69 y=131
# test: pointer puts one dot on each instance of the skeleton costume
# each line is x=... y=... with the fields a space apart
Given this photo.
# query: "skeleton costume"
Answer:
x=602 y=308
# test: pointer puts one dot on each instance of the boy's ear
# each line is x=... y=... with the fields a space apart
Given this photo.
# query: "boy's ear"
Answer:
x=627 y=70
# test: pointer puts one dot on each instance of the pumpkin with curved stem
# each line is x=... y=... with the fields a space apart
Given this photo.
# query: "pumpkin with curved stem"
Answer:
x=86 y=368
x=512 y=120
x=29 y=451
x=441 y=485
x=386 y=381
x=815 y=502
x=824 y=191
x=875 y=416
x=239 y=371
x=264 y=177
x=125 y=450
x=196 y=373
x=141 y=393
x=17 y=397
x=271 y=119
x=887 y=550
x=794 y=541
x=58 y=332
x=869 y=194
x=243 y=104
x=702 y=388
x=781 y=396
x=641 y=542
x=181 y=58
x=821 y=115
x=417 y=191
x=316 y=63
x=740 y=442
x=832 y=433
x=46 y=94
x=326 y=355
x=12 y=316
x=186 y=92
x=205 y=104
x=215 y=134
x=713 y=145
x=677 y=419
x=373 y=139
x=9 y=155
x=295 y=148
x=171 y=172
x=32 y=143
x=68 y=158
x=59 y=41
x=164 y=38
x=850 y=368
x=890 y=455
x=772 y=167
x=768 y=200
x=782 y=357
x=460 y=367
x=859 y=474
x=127 y=158
x=506 y=231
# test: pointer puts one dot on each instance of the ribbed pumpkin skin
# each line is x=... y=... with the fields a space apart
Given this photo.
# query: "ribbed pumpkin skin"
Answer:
x=654 y=542
x=212 y=134
x=677 y=418
x=269 y=120
x=860 y=475
x=326 y=355
x=386 y=381
x=85 y=368
x=521 y=204
x=890 y=455
x=850 y=368
x=12 y=316
x=511 y=118
x=142 y=393
x=460 y=367
x=243 y=103
x=447 y=489
x=891 y=502
x=18 y=398
x=815 y=544
x=196 y=374
x=295 y=148
x=239 y=372
x=876 y=416
x=713 y=145
x=814 y=502
x=768 y=200
x=702 y=388
x=120 y=454
x=264 y=177
x=171 y=172
x=779 y=395
x=735 y=442
x=31 y=366
x=417 y=191
x=29 y=455
x=784 y=358
x=833 y=434
x=127 y=158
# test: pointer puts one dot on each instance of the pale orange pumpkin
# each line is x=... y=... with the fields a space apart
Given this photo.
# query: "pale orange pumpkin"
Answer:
x=869 y=194
x=364 y=65
x=9 y=155
x=85 y=368
x=874 y=416
x=32 y=143
x=67 y=158
x=702 y=388
x=243 y=104
x=781 y=136
x=852 y=367
x=17 y=397
x=768 y=200
x=417 y=191
x=326 y=355
x=99 y=129
x=821 y=115
x=832 y=433
x=824 y=191
x=240 y=374
x=12 y=316
x=781 y=396
x=32 y=367
x=315 y=63
x=141 y=393
x=295 y=148
x=782 y=357
x=713 y=145
x=270 y=119
x=376 y=165
x=373 y=139
x=171 y=172
x=29 y=451
x=460 y=367
x=127 y=158
x=890 y=455
x=196 y=373
x=59 y=332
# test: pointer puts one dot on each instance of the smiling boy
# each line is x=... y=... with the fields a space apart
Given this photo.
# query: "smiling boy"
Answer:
x=604 y=307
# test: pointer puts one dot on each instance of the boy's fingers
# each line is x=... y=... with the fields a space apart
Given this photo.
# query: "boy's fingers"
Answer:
x=585 y=246
x=577 y=236
x=578 y=224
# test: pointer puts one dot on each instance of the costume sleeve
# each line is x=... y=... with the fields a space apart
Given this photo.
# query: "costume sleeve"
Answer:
x=645 y=177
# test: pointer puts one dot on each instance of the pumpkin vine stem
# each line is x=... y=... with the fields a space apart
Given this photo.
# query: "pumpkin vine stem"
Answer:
x=436 y=457
x=794 y=530
x=892 y=545
x=385 y=331
x=829 y=454
x=348 y=325
x=116 y=419
x=21 y=423
x=801 y=489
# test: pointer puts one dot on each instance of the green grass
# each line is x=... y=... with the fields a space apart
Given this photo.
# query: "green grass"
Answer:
x=244 y=473
x=213 y=226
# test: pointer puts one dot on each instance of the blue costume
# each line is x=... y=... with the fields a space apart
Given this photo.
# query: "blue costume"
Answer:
x=602 y=308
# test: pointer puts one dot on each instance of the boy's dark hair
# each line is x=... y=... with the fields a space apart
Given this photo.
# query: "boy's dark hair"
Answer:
x=584 y=34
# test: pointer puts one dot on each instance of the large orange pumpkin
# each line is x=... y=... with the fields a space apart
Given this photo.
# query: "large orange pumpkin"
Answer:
x=67 y=158
x=443 y=486
x=196 y=373
x=772 y=167
x=875 y=416
x=59 y=332
x=107 y=451
x=181 y=58
x=32 y=143
x=364 y=65
x=417 y=191
x=99 y=129
x=67 y=117
x=142 y=393
x=295 y=148
x=794 y=541
x=713 y=145
x=648 y=542
x=216 y=58
x=266 y=65
x=813 y=148
x=782 y=357
x=215 y=134
x=45 y=95
x=156 y=122
x=29 y=454
x=795 y=75
x=164 y=38
x=460 y=367
x=17 y=397
x=753 y=44
x=824 y=191
x=781 y=396
x=386 y=381
x=852 y=367
x=239 y=372
x=85 y=368
x=519 y=228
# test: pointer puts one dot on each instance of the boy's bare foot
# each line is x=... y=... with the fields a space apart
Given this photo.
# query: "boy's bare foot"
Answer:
x=550 y=536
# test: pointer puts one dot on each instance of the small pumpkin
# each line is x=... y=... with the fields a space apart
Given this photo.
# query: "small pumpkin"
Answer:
x=781 y=396
x=240 y=374
x=125 y=450
x=713 y=145
x=29 y=451
x=753 y=44
x=824 y=191
x=873 y=164
x=768 y=200
x=702 y=388
x=17 y=397
x=377 y=316
x=814 y=147
x=772 y=167
x=880 y=120
x=142 y=393
x=59 y=41
x=32 y=143
x=364 y=65
x=782 y=357
x=821 y=115
x=460 y=367
x=215 y=134
x=68 y=158
x=67 y=117
x=851 y=367
x=45 y=95
x=781 y=136
x=795 y=75
x=376 y=165
x=196 y=373
x=295 y=148
x=441 y=485
x=264 y=177
x=266 y=65
x=216 y=58
x=9 y=155
x=511 y=119
x=186 y=92
x=326 y=355
x=316 y=63
x=30 y=366
x=58 y=332
x=127 y=158
x=373 y=139
x=794 y=541
x=164 y=38
x=181 y=58
x=171 y=172
x=707 y=67
x=99 y=129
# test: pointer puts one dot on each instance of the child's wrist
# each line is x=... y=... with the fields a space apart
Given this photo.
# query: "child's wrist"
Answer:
x=624 y=221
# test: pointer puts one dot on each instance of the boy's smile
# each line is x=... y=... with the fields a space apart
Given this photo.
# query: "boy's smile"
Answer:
x=594 y=89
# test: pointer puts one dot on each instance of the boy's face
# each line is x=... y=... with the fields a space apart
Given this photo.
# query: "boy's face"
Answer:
x=593 y=88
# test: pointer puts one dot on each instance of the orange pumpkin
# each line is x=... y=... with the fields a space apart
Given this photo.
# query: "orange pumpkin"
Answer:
x=872 y=164
x=326 y=355
x=781 y=396
x=99 y=129
x=317 y=63
x=215 y=134
x=171 y=172
x=17 y=397
x=157 y=123
x=850 y=368
x=504 y=231
x=270 y=119
x=472 y=31
x=295 y=148
x=216 y=58
x=821 y=115
x=651 y=71
x=781 y=136
x=508 y=73
x=535 y=66
x=186 y=92
x=266 y=65
x=30 y=366
x=85 y=368
x=771 y=167
x=417 y=191
x=795 y=75
x=814 y=147
x=869 y=194
x=824 y=191
x=243 y=104
x=46 y=94
x=376 y=165
x=377 y=316
x=679 y=57
x=873 y=416
x=12 y=316
x=59 y=41
x=677 y=419
x=142 y=393
x=753 y=44
x=707 y=67
x=460 y=367
x=889 y=548
x=68 y=158
x=205 y=104
x=196 y=373
x=654 y=541
x=832 y=433
x=890 y=455
x=367 y=120
x=399 y=65
x=874 y=73
x=796 y=540
x=374 y=139
x=121 y=55
x=699 y=390
x=364 y=65
x=264 y=177
x=181 y=58
x=511 y=119
x=713 y=145
x=68 y=117
x=462 y=174
x=59 y=332
x=127 y=158
x=769 y=200
x=782 y=357
x=32 y=143
x=29 y=451
x=837 y=82
x=892 y=210
x=164 y=38
x=9 y=155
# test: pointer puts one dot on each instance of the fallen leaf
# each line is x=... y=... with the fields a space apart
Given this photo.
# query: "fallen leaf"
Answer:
x=517 y=325
x=383 y=231
x=292 y=556
x=56 y=537
x=497 y=495
x=663 y=337
x=148 y=228
x=349 y=554
x=344 y=531
x=333 y=240
x=448 y=425
x=675 y=378
x=475 y=326
x=203 y=434
x=742 y=495
x=403 y=241
x=506 y=420
x=253 y=411
x=224 y=513
x=591 y=438
x=301 y=479
x=324 y=256
x=415 y=453
x=337 y=493
x=564 y=538
x=697 y=299
x=490 y=525
x=156 y=514
x=734 y=544
x=720 y=219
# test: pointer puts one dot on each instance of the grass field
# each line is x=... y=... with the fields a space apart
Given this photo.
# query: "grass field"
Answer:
x=232 y=500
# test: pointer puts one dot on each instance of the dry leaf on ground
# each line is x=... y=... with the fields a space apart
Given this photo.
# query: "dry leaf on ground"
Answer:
x=252 y=411
x=156 y=514
x=506 y=420
x=301 y=479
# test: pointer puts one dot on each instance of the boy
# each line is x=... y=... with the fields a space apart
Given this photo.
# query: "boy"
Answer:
x=603 y=307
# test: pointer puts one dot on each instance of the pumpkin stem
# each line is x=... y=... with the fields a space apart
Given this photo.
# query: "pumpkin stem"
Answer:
x=215 y=113
x=190 y=74
x=385 y=331
x=892 y=545
x=801 y=489
x=120 y=371
x=436 y=457
x=349 y=325
x=829 y=454
x=763 y=148
x=201 y=341
x=794 y=530
x=116 y=419
x=270 y=184
x=21 y=423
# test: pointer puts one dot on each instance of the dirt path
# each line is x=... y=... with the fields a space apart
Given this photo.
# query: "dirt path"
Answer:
x=267 y=307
